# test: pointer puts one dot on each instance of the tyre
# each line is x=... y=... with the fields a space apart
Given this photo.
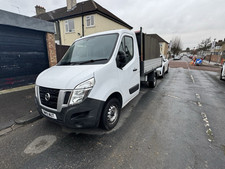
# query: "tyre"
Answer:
x=162 y=73
x=110 y=114
x=167 y=71
x=221 y=78
x=153 y=83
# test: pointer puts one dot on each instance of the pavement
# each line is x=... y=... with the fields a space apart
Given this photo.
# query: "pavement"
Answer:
x=17 y=107
x=185 y=63
x=211 y=63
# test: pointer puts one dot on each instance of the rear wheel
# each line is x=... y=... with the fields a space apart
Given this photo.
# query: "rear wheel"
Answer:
x=221 y=78
x=110 y=114
x=167 y=71
x=152 y=83
x=162 y=73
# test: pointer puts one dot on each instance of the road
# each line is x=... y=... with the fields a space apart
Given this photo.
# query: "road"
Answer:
x=178 y=124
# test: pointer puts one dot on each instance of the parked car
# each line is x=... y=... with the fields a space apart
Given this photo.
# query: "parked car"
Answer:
x=222 y=73
x=176 y=57
x=190 y=56
x=164 y=68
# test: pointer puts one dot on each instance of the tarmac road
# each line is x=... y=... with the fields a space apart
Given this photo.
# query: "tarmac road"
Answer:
x=179 y=124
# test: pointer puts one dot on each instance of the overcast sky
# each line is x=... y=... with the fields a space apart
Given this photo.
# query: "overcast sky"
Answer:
x=191 y=20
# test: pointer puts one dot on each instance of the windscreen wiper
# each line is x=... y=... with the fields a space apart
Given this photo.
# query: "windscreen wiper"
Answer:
x=92 y=60
x=69 y=63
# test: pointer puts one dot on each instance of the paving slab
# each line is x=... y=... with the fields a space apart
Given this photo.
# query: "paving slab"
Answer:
x=17 y=105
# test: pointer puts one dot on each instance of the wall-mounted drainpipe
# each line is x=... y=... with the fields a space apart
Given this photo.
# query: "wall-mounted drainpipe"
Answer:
x=60 y=39
x=82 y=19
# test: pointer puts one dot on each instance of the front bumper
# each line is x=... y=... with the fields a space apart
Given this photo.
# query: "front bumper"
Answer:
x=84 y=115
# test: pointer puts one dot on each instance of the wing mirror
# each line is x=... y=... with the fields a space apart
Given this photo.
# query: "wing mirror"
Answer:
x=121 y=59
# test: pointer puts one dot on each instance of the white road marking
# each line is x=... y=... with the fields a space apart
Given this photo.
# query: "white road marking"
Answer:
x=175 y=97
x=198 y=96
x=192 y=78
x=199 y=104
x=40 y=144
x=205 y=120
x=207 y=126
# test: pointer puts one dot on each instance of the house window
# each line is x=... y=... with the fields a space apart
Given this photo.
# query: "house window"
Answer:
x=55 y=27
x=90 y=20
x=69 y=25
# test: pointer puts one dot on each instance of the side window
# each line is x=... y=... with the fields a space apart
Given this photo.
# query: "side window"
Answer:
x=127 y=48
x=121 y=49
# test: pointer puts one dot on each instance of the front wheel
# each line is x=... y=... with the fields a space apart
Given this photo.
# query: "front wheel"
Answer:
x=110 y=114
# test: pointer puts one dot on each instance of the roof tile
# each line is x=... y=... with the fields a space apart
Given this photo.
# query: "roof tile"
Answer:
x=82 y=8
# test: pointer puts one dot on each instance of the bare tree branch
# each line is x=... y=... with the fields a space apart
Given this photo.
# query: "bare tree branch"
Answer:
x=176 y=46
x=205 y=44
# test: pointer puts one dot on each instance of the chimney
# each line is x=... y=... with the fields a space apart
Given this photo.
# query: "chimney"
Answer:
x=71 y=4
x=39 y=10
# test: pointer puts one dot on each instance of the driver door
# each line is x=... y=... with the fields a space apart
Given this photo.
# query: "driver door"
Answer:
x=129 y=72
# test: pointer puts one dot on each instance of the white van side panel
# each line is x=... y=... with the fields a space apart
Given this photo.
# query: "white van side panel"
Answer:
x=106 y=83
x=152 y=64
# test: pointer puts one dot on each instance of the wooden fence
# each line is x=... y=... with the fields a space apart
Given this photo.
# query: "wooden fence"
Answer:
x=60 y=51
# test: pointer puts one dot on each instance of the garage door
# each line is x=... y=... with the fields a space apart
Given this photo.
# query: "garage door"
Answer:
x=23 y=56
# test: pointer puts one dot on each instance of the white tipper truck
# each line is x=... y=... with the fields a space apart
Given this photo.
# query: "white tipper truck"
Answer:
x=98 y=75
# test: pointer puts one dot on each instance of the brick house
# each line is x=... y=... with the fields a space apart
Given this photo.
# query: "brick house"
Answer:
x=80 y=19
x=217 y=54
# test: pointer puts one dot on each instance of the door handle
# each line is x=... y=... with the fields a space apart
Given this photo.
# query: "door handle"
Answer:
x=135 y=69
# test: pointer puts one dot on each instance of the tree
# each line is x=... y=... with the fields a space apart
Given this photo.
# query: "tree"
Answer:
x=187 y=49
x=176 y=46
x=205 y=44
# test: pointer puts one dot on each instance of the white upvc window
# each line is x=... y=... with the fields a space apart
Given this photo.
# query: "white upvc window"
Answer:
x=90 y=20
x=69 y=25
x=55 y=27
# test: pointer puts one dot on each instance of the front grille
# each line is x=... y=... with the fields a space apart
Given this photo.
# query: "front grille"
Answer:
x=52 y=102
x=67 y=95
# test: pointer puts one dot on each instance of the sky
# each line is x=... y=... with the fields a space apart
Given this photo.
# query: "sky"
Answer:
x=190 y=20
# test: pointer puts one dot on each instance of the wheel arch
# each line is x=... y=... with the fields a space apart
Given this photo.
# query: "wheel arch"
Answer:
x=116 y=95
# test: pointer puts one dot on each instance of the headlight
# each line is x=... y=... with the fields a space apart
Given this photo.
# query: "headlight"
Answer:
x=81 y=91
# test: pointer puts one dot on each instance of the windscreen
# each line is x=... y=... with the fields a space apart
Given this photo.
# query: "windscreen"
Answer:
x=90 y=50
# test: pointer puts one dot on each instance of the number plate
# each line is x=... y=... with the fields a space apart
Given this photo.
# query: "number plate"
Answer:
x=51 y=115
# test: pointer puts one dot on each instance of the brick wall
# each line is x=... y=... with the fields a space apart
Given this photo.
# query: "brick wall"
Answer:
x=214 y=58
x=50 y=40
